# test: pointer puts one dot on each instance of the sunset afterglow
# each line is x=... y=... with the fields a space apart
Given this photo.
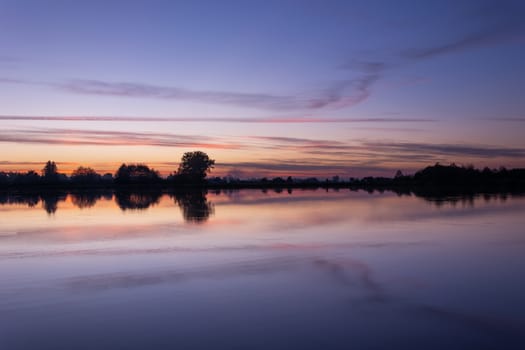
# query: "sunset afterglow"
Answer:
x=266 y=89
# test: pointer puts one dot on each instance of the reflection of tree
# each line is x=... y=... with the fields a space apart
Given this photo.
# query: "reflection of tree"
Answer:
x=464 y=197
x=87 y=199
x=30 y=200
x=50 y=201
x=138 y=200
x=194 y=205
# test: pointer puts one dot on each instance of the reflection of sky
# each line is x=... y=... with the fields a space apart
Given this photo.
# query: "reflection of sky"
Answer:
x=307 y=267
x=357 y=88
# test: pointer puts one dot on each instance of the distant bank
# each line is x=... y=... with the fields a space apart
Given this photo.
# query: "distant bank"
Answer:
x=195 y=166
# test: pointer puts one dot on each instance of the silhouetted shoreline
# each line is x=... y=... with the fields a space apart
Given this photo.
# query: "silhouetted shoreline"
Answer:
x=137 y=187
x=433 y=179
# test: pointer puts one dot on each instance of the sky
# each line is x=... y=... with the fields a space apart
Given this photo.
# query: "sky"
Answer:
x=266 y=88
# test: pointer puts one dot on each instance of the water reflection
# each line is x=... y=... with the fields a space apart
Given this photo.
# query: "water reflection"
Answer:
x=137 y=200
x=50 y=201
x=307 y=270
x=88 y=199
x=30 y=200
x=194 y=205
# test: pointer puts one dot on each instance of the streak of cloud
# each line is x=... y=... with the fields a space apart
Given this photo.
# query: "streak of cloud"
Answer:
x=339 y=94
x=112 y=138
x=264 y=120
x=447 y=149
x=305 y=157
x=502 y=22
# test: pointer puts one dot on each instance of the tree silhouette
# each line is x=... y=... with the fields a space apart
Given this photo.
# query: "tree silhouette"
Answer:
x=136 y=173
x=194 y=166
x=50 y=170
x=83 y=175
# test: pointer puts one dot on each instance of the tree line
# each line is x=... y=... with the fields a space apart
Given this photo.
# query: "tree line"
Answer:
x=195 y=166
x=192 y=170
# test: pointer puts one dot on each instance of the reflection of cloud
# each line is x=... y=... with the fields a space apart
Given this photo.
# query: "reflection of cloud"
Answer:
x=362 y=274
x=353 y=274
x=251 y=248
x=135 y=279
x=473 y=321
x=348 y=272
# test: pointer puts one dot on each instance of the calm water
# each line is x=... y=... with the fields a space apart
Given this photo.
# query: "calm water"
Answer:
x=255 y=270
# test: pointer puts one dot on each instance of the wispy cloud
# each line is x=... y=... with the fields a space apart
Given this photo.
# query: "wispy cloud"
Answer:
x=113 y=138
x=304 y=156
x=9 y=61
x=447 y=149
x=517 y=120
x=304 y=145
x=491 y=23
x=339 y=94
x=265 y=120
x=501 y=22
x=4 y=80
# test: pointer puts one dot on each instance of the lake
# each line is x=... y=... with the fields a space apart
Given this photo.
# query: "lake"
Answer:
x=254 y=269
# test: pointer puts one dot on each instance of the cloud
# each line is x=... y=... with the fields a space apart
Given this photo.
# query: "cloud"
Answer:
x=517 y=120
x=286 y=167
x=475 y=40
x=9 y=61
x=365 y=149
x=304 y=156
x=491 y=23
x=113 y=138
x=501 y=22
x=11 y=81
x=264 y=120
x=448 y=150
x=340 y=94
x=28 y=163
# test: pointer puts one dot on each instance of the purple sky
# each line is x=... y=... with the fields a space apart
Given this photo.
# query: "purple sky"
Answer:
x=266 y=88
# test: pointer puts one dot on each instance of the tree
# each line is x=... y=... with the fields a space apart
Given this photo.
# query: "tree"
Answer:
x=136 y=173
x=84 y=174
x=50 y=170
x=194 y=166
